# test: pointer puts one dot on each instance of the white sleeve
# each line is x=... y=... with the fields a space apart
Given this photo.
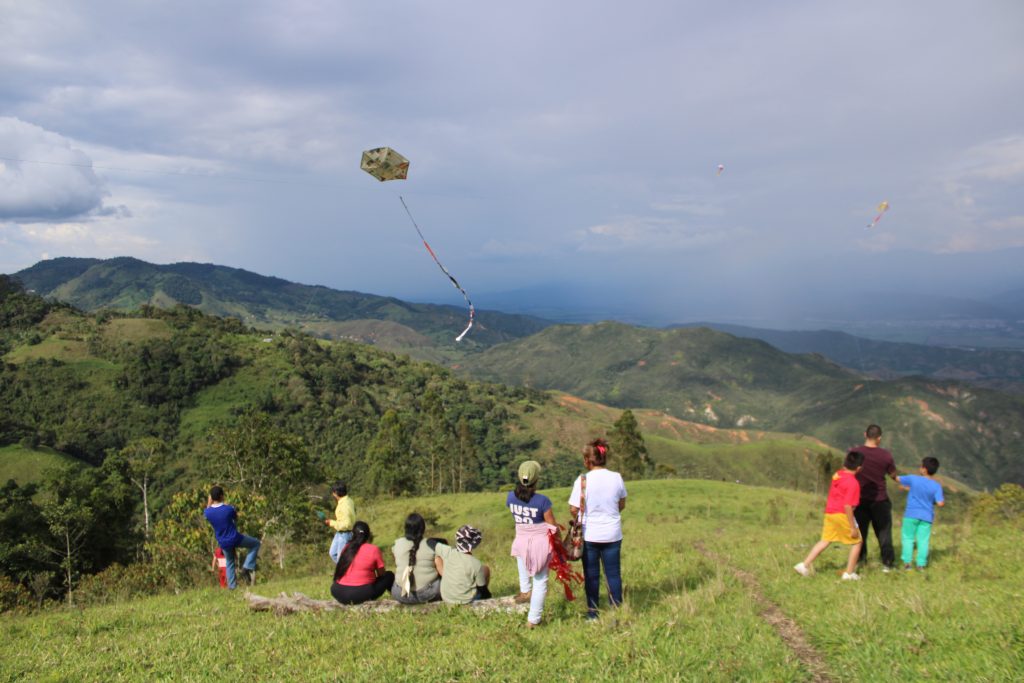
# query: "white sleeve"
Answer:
x=622 y=487
x=574 y=497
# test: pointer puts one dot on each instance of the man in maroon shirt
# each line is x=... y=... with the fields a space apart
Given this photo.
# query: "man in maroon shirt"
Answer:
x=875 y=507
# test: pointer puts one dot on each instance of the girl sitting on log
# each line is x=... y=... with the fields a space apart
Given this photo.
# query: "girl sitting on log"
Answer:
x=359 y=575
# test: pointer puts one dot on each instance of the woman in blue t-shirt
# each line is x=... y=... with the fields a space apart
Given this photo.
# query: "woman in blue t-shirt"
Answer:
x=531 y=548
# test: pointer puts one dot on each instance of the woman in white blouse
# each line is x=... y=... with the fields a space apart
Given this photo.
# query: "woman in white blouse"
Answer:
x=601 y=494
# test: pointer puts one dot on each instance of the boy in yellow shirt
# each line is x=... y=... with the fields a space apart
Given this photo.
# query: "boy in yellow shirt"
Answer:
x=344 y=518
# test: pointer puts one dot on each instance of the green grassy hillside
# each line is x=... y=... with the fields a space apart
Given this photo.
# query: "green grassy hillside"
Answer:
x=268 y=302
x=719 y=380
x=710 y=596
x=26 y=464
x=88 y=384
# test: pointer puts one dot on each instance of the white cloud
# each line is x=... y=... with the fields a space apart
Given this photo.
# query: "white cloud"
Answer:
x=1000 y=160
x=648 y=233
x=1008 y=223
x=43 y=176
x=979 y=199
x=691 y=205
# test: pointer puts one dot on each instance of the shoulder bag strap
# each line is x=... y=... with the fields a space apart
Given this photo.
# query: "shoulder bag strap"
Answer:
x=583 y=498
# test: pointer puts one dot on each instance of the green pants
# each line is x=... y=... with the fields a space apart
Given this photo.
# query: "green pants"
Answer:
x=919 y=531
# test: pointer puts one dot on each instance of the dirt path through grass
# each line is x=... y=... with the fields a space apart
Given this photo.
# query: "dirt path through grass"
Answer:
x=787 y=629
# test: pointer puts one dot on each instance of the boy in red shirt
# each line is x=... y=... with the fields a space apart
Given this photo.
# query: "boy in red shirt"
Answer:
x=840 y=526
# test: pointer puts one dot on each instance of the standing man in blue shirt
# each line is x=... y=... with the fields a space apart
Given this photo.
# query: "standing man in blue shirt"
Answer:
x=222 y=518
x=925 y=495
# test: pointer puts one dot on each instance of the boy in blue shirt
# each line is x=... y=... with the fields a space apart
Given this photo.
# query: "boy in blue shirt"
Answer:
x=222 y=517
x=925 y=494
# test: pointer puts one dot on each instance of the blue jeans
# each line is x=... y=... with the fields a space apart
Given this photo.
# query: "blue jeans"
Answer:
x=594 y=556
x=253 y=546
x=341 y=539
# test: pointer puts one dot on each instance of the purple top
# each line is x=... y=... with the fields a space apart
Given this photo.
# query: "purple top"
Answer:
x=877 y=463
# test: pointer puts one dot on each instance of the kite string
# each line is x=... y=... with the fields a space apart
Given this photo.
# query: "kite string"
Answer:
x=444 y=270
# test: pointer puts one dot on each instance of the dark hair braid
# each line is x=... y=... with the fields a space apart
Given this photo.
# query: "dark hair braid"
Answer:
x=415 y=528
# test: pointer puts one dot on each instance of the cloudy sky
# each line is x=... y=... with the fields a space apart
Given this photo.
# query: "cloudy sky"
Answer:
x=563 y=147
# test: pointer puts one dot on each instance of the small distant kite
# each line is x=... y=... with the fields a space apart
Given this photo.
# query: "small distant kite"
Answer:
x=385 y=163
x=721 y=167
x=882 y=208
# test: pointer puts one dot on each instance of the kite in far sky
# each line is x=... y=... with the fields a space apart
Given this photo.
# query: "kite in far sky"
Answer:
x=882 y=208
x=384 y=163
x=721 y=167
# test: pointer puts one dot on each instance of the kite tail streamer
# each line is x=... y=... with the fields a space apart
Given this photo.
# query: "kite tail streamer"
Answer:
x=559 y=564
x=472 y=311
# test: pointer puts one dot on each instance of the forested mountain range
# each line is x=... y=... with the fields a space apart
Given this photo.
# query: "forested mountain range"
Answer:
x=81 y=386
x=768 y=390
x=126 y=283
x=1001 y=369
x=426 y=331
x=717 y=379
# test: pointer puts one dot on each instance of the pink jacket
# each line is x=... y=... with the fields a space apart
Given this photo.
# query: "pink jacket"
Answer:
x=533 y=546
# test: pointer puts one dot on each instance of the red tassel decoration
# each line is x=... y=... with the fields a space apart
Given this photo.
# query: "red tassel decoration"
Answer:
x=559 y=564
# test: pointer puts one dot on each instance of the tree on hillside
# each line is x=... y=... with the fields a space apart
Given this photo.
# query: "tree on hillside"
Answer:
x=23 y=529
x=90 y=513
x=141 y=461
x=433 y=446
x=826 y=465
x=467 y=460
x=627 y=444
x=388 y=457
x=69 y=523
x=269 y=468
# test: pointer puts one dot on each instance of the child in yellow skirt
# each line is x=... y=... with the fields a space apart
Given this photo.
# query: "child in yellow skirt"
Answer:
x=840 y=526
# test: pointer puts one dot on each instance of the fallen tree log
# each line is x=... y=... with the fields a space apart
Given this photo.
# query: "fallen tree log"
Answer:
x=297 y=602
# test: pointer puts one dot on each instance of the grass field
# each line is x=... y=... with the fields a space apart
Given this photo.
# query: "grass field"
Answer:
x=701 y=560
x=25 y=465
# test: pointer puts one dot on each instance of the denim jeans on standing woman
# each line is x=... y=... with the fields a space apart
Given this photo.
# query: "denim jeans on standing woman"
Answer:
x=596 y=555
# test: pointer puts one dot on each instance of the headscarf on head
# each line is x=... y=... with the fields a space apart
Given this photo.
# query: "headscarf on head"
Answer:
x=467 y=538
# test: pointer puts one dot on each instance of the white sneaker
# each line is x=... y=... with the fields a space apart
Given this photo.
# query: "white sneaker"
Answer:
x=801 y=569
x=886 y=569
x=851 y=577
